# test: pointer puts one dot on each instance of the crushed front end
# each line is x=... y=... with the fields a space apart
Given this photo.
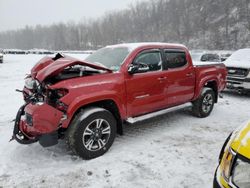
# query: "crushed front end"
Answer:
x=42 y=115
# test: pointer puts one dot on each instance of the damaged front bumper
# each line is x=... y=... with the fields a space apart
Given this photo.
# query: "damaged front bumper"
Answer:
x=37 y=122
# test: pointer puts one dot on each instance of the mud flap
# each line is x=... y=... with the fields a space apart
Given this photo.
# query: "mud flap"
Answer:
x=48 y=140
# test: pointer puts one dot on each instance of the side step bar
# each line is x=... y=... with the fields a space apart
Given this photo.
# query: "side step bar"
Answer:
x=132 y=120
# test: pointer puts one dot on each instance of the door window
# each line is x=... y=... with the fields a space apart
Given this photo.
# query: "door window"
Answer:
x=151 y=58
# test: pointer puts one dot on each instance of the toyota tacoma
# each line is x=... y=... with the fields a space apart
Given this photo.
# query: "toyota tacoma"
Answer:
x=87 y=102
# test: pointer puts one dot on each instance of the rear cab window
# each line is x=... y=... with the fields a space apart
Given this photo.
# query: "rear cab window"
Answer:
x=174 y=58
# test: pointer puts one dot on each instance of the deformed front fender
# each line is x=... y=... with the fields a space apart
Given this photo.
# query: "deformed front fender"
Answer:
x=84 y=100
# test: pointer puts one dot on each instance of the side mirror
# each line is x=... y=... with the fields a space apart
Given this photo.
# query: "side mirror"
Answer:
x=138 y=68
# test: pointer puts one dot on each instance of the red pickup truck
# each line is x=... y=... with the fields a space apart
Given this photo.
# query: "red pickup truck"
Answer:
x=87 y=102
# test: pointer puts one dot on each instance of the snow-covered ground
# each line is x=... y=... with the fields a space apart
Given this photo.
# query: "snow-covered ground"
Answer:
x=175 y=150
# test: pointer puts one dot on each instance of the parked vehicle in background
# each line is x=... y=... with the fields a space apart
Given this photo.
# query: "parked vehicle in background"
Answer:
x=14 y=51
x=39 y=51
x=1 y=56
x=233 y=170
x=205 y=57
x=238 y=66
x=87 y=101
x=224 y=56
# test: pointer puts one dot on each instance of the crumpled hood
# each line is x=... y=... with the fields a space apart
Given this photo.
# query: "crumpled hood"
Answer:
x=48 y=67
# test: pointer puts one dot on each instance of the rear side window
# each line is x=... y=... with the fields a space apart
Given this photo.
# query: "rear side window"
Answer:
x=175 y=59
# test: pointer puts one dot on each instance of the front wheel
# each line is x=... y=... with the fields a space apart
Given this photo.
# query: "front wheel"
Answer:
x=203 y=106
x=92 y=132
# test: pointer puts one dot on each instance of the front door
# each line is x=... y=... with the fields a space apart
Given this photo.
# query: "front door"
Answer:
x=146 y=91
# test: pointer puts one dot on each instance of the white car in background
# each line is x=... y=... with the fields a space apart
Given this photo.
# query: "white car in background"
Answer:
x=238 y=66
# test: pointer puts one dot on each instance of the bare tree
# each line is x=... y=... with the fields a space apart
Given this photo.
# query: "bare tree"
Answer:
x=221 y=24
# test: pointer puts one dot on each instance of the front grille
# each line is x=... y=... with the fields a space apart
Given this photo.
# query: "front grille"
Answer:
x=237 y=72
x=29 y=119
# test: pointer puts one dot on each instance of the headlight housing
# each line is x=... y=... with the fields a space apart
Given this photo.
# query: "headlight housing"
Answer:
x=248 y=76
x=227 y=163
x=241 y=173
x=30 y=83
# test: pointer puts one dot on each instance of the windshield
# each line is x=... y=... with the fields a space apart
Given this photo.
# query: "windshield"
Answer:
x=109 y=57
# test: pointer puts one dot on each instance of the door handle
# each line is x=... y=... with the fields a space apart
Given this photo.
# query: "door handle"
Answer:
x=162 y=78
x=189 y=74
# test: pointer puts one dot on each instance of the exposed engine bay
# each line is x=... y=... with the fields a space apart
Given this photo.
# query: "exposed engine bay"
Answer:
x=55 y=70
x=72 y=72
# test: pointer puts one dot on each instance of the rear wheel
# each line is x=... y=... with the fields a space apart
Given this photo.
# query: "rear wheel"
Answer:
x=203 y=106
x=92 y=132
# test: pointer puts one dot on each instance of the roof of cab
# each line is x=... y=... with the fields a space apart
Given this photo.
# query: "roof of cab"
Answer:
x=133 y=46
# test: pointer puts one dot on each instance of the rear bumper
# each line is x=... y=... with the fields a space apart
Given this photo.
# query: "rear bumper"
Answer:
x=37 y=122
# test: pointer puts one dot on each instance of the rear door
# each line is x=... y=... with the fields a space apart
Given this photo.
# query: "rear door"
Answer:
x=146 y=91
x=180 y=77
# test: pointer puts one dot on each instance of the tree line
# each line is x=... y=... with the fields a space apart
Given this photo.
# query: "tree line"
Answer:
x=203 y=24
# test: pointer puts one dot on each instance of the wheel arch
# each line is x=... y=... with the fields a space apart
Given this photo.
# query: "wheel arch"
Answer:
x=107 y=104
x=214 y=86
x=210 y=83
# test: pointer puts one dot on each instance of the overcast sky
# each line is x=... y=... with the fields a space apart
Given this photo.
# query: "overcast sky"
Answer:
x=16 y=14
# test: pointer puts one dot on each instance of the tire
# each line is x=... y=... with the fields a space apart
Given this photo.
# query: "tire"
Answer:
x=92 y=132
x=203 y=106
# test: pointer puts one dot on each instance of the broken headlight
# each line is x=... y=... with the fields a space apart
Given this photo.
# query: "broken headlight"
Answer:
x=31 y=84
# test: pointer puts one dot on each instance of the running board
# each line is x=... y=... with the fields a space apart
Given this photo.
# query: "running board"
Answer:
x=157 y=113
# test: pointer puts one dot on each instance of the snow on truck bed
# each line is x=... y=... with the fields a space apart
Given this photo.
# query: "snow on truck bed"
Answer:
x=173 y=150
